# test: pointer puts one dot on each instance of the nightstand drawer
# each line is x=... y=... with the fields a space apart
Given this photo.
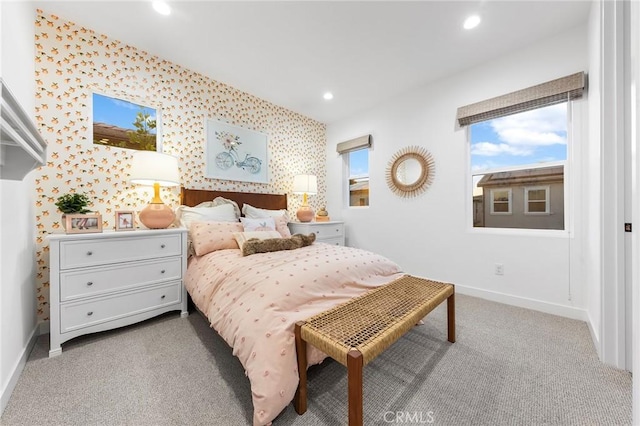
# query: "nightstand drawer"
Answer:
x=333 y=241
x=79 y=315
x=332 y=230
x=74 y=254
x=75 y=284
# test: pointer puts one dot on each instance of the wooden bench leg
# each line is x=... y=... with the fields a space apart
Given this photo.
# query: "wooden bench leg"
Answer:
x=354 y=374
x=451 y=317
x=300 y=400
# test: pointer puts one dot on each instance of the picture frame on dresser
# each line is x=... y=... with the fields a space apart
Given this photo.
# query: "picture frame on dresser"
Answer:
x=125 y=220
x=83 y=223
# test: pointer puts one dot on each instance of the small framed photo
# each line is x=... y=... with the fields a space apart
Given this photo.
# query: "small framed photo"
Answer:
x=83 y=223
x=125 y=220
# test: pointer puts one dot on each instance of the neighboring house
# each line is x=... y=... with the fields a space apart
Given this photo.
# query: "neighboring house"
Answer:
x=529 y=198
x=359 y=192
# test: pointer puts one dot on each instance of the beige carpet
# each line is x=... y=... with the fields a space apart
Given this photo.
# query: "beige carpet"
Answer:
x=509 y=366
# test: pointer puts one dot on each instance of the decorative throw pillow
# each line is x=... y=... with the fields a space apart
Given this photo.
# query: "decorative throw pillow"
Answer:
x=262 y=224
x=211 y=236
x=242 y=237
x=218 y=201
x=223 y=213
x=256 y=213
x=255 y=245
x=281 y=226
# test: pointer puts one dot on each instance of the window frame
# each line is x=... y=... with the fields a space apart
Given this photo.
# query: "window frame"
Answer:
x=348 y=177
x=547 y=200
x=575 y=112
x=509 y=201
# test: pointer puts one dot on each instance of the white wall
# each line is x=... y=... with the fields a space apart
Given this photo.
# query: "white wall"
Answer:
x=18 y=326
x=591 y=178
x=431 y=235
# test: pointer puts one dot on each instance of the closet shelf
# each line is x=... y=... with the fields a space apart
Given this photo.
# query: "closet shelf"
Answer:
x=22 y=148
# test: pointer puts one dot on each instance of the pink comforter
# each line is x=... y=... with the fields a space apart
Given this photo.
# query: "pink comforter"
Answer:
x=253 y=302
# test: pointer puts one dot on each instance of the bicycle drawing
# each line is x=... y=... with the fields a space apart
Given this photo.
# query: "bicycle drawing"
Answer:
x=226 y=159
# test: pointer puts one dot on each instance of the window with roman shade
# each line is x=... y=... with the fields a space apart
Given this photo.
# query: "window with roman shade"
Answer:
x=519 y=144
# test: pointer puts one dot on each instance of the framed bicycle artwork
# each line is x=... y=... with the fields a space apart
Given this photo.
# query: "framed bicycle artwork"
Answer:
x=235 y=153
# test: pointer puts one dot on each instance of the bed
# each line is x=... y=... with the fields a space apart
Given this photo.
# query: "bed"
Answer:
x=254 y=301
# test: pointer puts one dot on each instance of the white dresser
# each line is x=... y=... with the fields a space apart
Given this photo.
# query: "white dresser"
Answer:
x=112 y=279
x=326 y=232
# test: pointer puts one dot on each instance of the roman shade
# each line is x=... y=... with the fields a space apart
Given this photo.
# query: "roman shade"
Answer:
x=353 y=144
x=545 y=94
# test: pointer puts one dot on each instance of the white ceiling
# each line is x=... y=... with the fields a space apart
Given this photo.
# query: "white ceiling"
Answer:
x=291 y=52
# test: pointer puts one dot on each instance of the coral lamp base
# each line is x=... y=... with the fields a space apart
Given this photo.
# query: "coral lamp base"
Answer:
x=157 y=216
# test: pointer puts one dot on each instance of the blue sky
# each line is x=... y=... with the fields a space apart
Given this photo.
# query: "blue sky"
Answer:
x=531 y=137
x=118 y=112
x=359 y=162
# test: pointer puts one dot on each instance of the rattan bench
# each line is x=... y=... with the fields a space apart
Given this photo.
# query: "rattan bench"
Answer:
x=359 y=330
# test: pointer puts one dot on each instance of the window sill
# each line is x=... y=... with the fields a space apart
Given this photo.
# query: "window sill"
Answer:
x=518 y=232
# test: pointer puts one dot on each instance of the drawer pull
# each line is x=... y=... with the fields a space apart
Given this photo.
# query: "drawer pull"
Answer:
x=89 y=253
x=162 y=297
x=90 y=283
x=89 y=313
x=161 y=245
x=162 y=272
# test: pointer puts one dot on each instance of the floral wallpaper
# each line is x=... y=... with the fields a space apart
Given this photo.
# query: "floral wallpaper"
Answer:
x=73 y=62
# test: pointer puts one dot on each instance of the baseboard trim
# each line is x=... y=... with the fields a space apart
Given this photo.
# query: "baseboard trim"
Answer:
x=595 y=336
x=17 y=369
x=523 y=302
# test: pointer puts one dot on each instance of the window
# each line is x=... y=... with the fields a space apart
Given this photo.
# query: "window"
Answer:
x=536 y=200
x=501 y=201
x=517 y=163
x=358 y=177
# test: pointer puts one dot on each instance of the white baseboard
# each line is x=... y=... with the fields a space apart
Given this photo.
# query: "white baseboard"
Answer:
x=595 y=336
x=523 y=302
x=17 y=369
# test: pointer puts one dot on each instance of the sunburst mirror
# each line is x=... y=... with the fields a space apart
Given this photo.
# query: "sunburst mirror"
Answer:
x=410 y=171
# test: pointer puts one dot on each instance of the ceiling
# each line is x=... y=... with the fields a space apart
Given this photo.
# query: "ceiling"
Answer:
x=291 y=52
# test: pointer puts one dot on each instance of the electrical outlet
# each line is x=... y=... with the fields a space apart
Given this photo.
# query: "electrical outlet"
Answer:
x=499 y=269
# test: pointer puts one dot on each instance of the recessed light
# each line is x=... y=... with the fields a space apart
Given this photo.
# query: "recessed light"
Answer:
x=328 y=96
x=471 y=22
x=161 y=7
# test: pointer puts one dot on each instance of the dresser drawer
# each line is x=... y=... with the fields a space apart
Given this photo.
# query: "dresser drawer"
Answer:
x=74 y=254
x=85 y=282
x=79 y=315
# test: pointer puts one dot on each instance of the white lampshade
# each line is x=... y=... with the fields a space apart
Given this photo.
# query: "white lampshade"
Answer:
x=149 y=167
x=305 y=184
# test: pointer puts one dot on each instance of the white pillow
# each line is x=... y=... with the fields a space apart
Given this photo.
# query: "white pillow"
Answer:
x=262 y=224
x=223 y=213
x=256 y=213
x=243 y=237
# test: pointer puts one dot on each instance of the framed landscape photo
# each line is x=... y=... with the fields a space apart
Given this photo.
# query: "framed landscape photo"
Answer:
x=83 y=223
x=125 y=124
x=125 y=220
x=235 y=153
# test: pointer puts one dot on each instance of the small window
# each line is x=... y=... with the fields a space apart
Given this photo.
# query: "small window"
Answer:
x=536 y=200
x=358 y=177
x=501 y=201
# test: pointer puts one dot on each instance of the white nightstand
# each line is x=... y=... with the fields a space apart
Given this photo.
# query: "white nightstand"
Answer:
x=326 y=232
x=112 y=279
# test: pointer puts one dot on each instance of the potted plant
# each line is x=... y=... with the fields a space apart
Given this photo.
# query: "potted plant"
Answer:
x=74 y=203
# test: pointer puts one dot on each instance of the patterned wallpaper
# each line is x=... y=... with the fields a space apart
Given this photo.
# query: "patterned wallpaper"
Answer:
x=72 y=62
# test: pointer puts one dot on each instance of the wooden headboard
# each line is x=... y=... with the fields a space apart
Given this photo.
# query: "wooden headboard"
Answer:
x=193 y=197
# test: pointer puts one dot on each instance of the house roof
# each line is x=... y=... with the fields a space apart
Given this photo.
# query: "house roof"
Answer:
x=534 y=176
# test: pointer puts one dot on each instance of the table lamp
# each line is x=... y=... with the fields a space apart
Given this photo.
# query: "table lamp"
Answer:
x=154 y=168
x=305 y=184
